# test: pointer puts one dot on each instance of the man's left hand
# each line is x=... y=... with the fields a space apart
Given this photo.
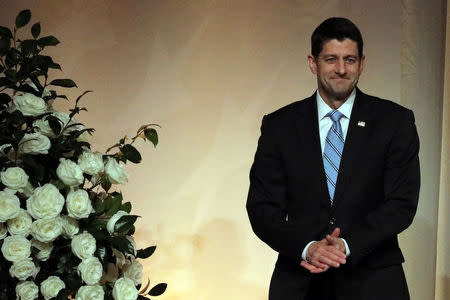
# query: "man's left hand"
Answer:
x=332 y=239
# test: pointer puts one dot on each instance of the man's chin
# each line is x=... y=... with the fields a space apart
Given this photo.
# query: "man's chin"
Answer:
x=341 y=95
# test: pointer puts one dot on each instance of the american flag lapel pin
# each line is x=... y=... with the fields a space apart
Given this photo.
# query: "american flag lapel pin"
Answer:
x=362 y=123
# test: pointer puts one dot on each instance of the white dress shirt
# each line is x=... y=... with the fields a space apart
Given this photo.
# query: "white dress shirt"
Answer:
x=325 y=124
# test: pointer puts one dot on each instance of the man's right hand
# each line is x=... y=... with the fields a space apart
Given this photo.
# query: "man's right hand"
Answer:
x=322 y=254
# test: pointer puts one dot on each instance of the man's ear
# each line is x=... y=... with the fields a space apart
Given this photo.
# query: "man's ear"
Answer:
x=312 y=64
x=361 y=64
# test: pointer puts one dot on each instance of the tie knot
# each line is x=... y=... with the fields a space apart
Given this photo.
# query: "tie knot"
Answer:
x=335 y=115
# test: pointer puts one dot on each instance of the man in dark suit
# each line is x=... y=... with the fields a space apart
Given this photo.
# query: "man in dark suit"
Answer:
x=334 y=181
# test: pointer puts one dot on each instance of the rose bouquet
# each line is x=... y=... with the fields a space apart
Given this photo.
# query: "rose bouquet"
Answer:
x=64 y=234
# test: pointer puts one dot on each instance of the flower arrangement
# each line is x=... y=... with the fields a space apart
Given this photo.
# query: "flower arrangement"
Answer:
x=64 y=234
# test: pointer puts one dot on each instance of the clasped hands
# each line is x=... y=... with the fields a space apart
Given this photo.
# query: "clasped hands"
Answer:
x=326 y=253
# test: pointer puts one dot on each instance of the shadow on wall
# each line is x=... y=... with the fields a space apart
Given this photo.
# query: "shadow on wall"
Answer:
x=206 y=265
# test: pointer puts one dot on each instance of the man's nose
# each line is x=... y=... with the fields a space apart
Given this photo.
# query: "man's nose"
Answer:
x=339 y=67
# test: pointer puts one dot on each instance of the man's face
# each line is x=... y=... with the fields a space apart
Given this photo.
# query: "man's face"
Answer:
x=338 y=67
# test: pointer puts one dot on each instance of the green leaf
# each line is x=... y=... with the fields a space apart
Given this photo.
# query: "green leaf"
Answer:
x=122 y=244
x=106 y=184
x=59 y=184
x=5 y=98
x=101 y=254
x=6 y=32
x=98 y=224
x=5 y=44
x=12 y=58
x=145 y=253
x=11 y=75
x=4 y=81
x=68 y=83
x=113 y=203
x=151 y=135
x=99 y=206
x=37 y=83
x=36 y=30
x=126 y=207
x=48 y=41
x=23 y=18
x=25 y=88
x=158 y=289
x=55 y=124
x=124 y=224
x=131 y=153
x=29 y=47
x=34 y=165
x=79 y=97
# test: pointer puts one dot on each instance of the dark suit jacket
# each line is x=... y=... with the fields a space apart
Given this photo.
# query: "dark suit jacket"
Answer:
x=375 y=199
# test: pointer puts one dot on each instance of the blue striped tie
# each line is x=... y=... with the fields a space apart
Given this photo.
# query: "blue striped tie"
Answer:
x=334 y=144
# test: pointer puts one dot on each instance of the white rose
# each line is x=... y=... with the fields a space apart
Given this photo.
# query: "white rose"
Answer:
x=134 y=272
x=78 y=204
x=30 y=105
x=45 y=249
x=23 y=269
x=46 y=230
x=45 y=93
x=14 y=178
x=28 y=190
x=113 y=220
x=27 y=290
x=3 y=231
x=9 y=206
x=91 y=162
x=20 y=225
x=90 y=292
x=16 y=248
x=70 y=227
x=115 y=172
x=46 y=202
x=51 y=286
x=69 y=172
x=3 y=147
x=124 y=289
x=91 y=270
x=34 y=143
x=42 y=126
x=83 y=245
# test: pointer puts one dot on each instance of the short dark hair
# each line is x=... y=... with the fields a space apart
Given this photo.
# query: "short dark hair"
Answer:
x=335 y=28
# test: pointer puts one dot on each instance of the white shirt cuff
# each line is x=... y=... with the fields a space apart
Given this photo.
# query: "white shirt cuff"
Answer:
x=347 y=249
x=306 y=249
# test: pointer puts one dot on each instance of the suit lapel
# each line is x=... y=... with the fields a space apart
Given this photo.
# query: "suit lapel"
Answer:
x=308 y=128
x=356 y=137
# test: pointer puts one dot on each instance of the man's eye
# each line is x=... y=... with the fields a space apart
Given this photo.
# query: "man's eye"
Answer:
x=330 y=59
x=351 y=60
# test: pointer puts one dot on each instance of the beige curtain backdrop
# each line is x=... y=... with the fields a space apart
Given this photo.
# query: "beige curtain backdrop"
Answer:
x=443 y=234
x=207 y=71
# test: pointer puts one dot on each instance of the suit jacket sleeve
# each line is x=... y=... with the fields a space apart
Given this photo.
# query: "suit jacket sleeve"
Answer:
x=401 y=192
x=267 y=199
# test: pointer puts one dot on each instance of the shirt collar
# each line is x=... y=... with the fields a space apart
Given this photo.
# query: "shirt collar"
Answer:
x=345 y=108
